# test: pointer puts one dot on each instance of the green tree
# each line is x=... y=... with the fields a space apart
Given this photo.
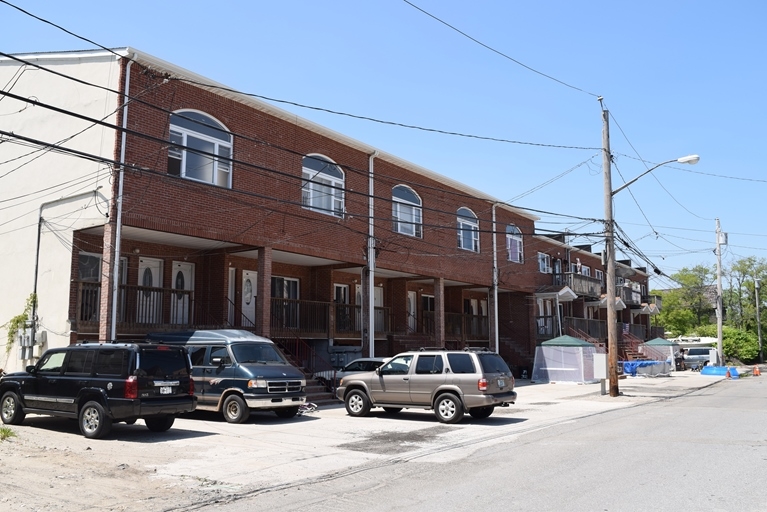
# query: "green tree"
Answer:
x=736 y=343
x=691 y=304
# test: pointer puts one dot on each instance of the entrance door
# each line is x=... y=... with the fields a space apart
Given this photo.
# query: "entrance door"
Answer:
x=343 y=310
x=412 y=312
x=149 y=291
x=378 y=301
x=183 y=292
x=249 y=298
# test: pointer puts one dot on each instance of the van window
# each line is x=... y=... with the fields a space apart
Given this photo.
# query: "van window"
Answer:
x=219 y=352
x=197 y=355
x=697 y=352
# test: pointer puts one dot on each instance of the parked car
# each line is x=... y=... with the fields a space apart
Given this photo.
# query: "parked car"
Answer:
x=697 y=357
x=98 y=384
x=236 y=372
x=450 y=382
x=363 y=364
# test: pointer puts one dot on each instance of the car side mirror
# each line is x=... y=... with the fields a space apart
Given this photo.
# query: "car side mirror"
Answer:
x=378 y=371
x=219 y=361
x=30 y=368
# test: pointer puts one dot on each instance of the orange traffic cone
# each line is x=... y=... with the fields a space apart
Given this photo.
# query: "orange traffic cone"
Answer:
x=756 y=372
x=728 y=375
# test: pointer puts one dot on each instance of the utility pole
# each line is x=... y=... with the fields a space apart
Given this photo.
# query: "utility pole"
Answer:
x=757 y=283
x=719 y=313
x=612 y=317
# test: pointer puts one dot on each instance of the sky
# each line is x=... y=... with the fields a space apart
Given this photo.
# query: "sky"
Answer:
x=678 y=77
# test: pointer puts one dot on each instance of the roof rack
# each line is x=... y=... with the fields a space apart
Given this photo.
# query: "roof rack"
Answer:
x=423 y=349
x=476 y=349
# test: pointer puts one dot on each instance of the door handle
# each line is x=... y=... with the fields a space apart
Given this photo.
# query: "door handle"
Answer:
x=405 y=378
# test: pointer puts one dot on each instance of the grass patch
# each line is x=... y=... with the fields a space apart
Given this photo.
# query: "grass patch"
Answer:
x=6 y=433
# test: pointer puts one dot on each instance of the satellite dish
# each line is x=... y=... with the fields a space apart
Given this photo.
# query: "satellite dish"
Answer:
x=625 y=272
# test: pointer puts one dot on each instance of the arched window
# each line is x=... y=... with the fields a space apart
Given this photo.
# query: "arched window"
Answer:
x=202 y=150
x=514 y=244
x=322 y=188
x=468 y=230
x=406 y=211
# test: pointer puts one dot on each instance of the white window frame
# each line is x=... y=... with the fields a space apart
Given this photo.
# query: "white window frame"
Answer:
x=221 y=172
x=586 y=271
x=404 y=209
x=513 y=234
x=317 y=185
x=468 y=230
x=599 y=275
x=544 y=263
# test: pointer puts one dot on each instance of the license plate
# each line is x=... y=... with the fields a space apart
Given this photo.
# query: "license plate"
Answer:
x=501 y=383
x=166 y=390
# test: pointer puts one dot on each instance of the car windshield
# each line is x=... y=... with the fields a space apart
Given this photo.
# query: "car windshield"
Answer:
x=261 y=353
x=493 y=363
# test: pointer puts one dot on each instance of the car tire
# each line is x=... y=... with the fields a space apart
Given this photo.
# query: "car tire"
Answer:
x=11 y=411
x=286 y=412
x=392 y=410
x=235 y=410
x=159 y=423
x=481 y=413
x=448 y=408
x=357 y=403
x=94 y=422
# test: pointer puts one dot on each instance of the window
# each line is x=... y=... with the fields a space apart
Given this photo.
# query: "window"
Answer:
x=80 y=362
x=52 y=363
x=112 y=362
x=514 y=244
x=468 y=230
x=586 y=271
x=406 y=211
x=397 y=366
x=322 y=189
x=544 y=263
x=203 y=151
x=429 y=365
x=599 y=275
x=461 y=363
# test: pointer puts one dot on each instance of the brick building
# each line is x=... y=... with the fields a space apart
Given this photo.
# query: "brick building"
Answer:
x=212 y=209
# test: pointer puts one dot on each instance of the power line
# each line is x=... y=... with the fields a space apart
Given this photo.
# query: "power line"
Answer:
x=499 y=52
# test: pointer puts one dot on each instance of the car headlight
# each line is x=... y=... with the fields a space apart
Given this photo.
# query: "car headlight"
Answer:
x=257 y=383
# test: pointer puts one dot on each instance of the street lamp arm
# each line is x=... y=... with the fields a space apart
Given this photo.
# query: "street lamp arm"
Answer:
x=692 y=159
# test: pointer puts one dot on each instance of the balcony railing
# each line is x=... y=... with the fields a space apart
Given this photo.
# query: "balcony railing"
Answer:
x=596 y=329
x=466 y=327
x=629 y=296
x=583 y=286
x=653 y=299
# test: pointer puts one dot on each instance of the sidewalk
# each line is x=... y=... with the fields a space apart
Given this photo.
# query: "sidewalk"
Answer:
x=638 y=388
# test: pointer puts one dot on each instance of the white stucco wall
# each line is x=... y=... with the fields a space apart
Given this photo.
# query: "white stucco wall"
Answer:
x=30 y=177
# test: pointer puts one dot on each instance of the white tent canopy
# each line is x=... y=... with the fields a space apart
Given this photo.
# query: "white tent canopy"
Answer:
x=564 y=359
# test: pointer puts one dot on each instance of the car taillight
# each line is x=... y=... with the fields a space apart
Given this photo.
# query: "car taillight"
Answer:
x=131 y=387
x=482 y=384
x=191 y=386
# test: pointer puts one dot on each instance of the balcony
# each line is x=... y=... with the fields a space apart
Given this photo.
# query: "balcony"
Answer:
x=583 y=286
x=461 y=327
x=653 y=299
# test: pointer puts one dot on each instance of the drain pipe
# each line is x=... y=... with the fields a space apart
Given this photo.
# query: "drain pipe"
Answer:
x=495 y=285
x=40 y=221
x=371 y=256
x=119 y=201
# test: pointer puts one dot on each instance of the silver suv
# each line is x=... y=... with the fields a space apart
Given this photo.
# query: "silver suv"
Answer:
x=450 y=382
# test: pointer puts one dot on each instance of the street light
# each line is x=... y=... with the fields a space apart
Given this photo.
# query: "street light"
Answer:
x=612 y=318
x=757 y=283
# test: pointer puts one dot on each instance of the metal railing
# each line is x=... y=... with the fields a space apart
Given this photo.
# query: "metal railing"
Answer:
x=629 y=296
x=466 y=327
x=596 y=329
x=583 y=286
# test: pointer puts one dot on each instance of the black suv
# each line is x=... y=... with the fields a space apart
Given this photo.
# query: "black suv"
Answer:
x=98 y=384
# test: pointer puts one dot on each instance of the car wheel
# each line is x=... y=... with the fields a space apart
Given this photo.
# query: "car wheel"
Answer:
x=286 y=412
x=160 y=423
x=235 y=409
x=448 y=408
x=392 y=410
x=481 y=413
x=10 y=410
x=357 y=403
x=94 y=422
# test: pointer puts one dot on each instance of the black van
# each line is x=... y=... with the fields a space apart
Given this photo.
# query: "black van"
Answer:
x=235 y=371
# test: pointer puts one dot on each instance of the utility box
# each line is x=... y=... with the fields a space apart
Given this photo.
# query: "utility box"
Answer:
x=600 y=366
